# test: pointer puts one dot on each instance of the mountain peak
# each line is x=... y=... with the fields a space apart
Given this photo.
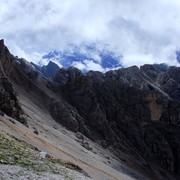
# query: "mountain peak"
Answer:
x=2 y=42
x=50 y=69
x=51 y=63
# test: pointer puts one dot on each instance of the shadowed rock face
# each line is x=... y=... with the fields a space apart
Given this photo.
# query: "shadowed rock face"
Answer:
x=9 y=103
x=133 y=110
x=47 y=71
x=50 y=69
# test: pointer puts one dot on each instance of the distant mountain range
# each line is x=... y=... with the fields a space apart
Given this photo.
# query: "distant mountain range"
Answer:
x=84 y=57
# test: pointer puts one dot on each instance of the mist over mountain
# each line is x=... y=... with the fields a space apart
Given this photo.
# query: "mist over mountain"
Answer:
x=89 y=57
x=129 y=27
x=85 y=58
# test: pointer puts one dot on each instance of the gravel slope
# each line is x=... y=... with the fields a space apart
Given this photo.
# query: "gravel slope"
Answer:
x=14 y=172
x=62 y=144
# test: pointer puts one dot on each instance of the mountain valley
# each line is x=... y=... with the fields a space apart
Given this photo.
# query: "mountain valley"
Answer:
x=121 y=124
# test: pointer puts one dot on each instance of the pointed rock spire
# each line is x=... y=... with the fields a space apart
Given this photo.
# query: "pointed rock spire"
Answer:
x=2 y=42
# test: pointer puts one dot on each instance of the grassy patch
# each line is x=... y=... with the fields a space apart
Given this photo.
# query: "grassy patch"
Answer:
x=17 y=152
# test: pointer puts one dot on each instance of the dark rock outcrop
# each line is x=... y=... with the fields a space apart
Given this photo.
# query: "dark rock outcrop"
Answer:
x=47 y=71
x=62 y=111
x=64 y=76
x=50 y=69
x=134 y=110
x=9 y=103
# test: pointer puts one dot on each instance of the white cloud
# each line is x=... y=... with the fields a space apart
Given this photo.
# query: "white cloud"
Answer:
x=88 y=65
x=96 y=57
x=79 y=65
x=143 y=31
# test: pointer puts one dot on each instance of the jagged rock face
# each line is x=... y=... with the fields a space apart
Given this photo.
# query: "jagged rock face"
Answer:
x=133 y=104
x=64 y=76
x=50 y=69
x=6 y=59
x=9 y=103
x=62 y=111
x=167 y=79
x=47 y=71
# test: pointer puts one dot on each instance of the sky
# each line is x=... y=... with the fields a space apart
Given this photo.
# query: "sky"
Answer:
x=142 y=31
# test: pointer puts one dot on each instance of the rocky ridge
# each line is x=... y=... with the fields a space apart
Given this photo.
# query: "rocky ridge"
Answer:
x=132 y=111
x=9 y=102
x=135 y=110
x=47 y=71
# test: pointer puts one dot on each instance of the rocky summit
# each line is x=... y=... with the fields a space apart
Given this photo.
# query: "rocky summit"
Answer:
x=132 y=112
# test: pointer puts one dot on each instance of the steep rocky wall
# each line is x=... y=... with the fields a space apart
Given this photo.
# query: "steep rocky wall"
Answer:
x=129 y=110
x=9 y=103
